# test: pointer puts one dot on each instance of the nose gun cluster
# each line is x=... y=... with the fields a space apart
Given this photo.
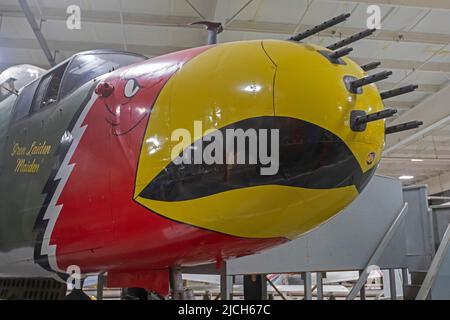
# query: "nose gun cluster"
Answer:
x=359 y=119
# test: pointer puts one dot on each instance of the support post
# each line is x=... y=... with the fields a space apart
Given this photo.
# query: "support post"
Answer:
x=307 y=285
x=100 y=286
x=214 y=28
x=392 y=284
x=176 y=284
x=226 y=284
x=37 y=31
x=362 y=292
x=405 y=278
x=255 y=287
x=320 y=276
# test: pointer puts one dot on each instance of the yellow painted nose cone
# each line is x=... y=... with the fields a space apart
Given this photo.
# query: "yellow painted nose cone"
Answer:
x=260 y=83
x=309 y=87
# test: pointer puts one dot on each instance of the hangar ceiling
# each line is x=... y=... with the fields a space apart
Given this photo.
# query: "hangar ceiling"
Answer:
x=414 y=42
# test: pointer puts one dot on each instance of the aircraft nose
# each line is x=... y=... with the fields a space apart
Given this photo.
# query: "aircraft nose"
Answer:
x=306 y=172
x=310 y=87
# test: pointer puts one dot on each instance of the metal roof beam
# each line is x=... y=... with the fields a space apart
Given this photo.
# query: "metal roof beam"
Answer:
x=113 y=17
x=433 y=111
x=37 y=32
x=426 y=161
x=427 y=145
x=236 y=25
x=76 y=46
x=407 y=64
x=438 y=184
x=434 y=4
x=419 y=153
x=428 y=88
x=383 y=35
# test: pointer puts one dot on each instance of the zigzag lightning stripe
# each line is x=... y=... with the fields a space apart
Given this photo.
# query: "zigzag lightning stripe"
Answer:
x=63 y=174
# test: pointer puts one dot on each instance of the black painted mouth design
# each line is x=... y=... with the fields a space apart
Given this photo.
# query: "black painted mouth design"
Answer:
x=309 y=157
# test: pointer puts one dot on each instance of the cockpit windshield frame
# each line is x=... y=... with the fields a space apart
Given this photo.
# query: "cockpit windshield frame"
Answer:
x=70 y=64
x=95 y=53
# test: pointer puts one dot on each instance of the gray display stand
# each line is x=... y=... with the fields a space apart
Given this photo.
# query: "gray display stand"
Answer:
x=419 y=225
x=386 y=226
x=346 y=242
x=441 y=219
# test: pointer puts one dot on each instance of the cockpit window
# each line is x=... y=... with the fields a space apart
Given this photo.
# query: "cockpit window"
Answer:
x=48 y=89
x=23 y=102
x=67 y=77
x=86 y=67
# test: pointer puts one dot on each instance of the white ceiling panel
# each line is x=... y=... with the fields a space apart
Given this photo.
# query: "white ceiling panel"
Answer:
x=401 y=77
x=395 y=50
x=289 y=11
x=402 y=18
x=436 y=22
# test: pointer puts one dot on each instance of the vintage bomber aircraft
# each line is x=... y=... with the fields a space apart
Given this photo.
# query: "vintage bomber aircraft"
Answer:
x=87 y=177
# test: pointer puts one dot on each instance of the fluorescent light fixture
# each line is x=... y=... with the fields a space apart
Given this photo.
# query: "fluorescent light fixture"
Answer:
x=406 y=177
x=417 y=160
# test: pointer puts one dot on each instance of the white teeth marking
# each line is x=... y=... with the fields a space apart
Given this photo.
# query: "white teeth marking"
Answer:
x=131 y=88
x=63 y=174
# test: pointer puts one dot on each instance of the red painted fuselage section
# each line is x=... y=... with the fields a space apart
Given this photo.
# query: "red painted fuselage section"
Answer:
x=100 y=227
